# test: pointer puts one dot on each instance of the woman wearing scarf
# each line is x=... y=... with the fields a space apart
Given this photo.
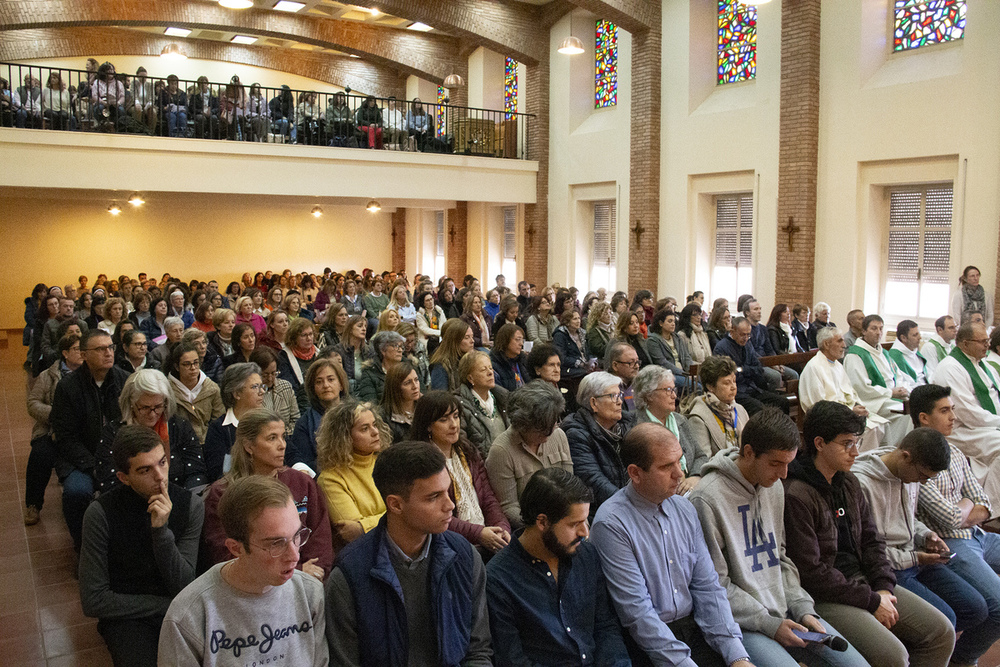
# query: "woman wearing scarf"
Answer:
x=598 y=329
x=971 y=298
x=297 y=354
x=198 y=398
x=690 y=328
x=716 y=419
x=779 y=330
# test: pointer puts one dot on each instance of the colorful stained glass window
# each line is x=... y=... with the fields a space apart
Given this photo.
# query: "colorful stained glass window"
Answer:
x=922 y=22
x=606 y=65
x=737 y=42
x=510 y=87
x=440 y=111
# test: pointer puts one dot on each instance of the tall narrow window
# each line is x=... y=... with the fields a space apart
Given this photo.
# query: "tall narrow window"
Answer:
x=919 y=251
x=922 y=22
x=737 y=42
x=509 y=265
x=606 y=65
x=439 y=115
x=439 y=260
x=604 y=272
x=733 y=272
x=510 y=87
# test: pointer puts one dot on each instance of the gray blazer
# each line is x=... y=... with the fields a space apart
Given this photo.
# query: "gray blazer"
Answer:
x=661 y=354
x=705 y=427
x=694 y=457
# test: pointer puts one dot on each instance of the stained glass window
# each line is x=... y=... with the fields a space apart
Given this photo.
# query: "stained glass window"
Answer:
x=510 y=87
x=737 y=42
x=440 y=111
x=922 y=22
x=606 y=65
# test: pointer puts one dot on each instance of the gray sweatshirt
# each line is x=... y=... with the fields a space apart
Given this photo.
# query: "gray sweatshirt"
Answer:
x=212 y=623
x=893 y=505
x=744 y=527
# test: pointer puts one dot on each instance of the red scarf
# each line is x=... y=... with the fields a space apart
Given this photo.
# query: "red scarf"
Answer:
x=304 y=356
x=164 y=433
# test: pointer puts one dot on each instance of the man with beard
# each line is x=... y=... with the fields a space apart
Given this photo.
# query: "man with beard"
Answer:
x=547 y=597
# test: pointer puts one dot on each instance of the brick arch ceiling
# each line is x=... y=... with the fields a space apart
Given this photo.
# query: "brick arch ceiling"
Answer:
x=430 y=57
x=74 y=42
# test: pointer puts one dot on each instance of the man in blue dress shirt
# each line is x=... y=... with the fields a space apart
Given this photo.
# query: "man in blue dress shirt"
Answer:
x=660 y=575
x=547 y=596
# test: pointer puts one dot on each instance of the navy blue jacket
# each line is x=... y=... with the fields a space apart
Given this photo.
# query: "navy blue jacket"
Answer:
x=302 y=447
x=749 y=370
x=574 y=360
x=761 y=341
x=595 y=454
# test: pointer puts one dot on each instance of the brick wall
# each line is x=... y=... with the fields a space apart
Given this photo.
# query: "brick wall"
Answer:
x=399 y=240
x=797 y=153
x=535 y=260
x=458 y=240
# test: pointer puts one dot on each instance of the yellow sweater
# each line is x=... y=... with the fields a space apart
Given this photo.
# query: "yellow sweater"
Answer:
x=351 y=494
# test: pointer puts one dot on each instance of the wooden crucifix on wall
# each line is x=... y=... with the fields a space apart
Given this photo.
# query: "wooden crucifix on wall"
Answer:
x=638 y=230
x=790 y=229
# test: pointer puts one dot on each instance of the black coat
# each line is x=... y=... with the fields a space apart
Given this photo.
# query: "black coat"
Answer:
x=187 y=466
x=504 y=369
x=219 y=441
x=595 y=454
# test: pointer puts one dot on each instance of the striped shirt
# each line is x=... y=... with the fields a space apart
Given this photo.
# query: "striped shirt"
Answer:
x=937 y=505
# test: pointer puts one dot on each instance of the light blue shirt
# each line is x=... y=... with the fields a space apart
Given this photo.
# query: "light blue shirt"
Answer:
x=659 y=570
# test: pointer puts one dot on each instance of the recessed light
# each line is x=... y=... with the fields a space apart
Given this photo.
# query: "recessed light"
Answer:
x=243 y=39
x=375 y=11
x=373 y=206
x=136 y=200
x=317 y=211
x=354 y=55
x=236 y=4
x=419 y=27
x=289 y=6
x=114 y=208
x=177 y=32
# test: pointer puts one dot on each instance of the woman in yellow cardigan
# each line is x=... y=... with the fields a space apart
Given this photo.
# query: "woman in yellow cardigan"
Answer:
x=347 y=442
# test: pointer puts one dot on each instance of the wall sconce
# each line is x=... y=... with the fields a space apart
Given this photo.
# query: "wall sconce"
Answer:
x=317 y=211
x=373 y=206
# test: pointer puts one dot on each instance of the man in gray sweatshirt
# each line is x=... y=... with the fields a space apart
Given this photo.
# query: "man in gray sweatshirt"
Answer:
x=742 y=514
x=891 y=478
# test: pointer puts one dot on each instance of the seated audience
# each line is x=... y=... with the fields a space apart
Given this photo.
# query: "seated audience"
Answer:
x=533 y=621
x=419 y=125
x=386 y=351
x=334 y=326
x=656 y=402
x=430 y=320
x=348 y=441
x=483 y=403
x=352 y=301
x=84 y=402
x=477 y=516
x=690 y=328
x=204 y=109
x=326 y=386
x=204 y=314
x=800 y=326
x=340 y=122
x=140 y=547
x=276 y=332
x=532 y=442
x=260 y=587
x=765 y=594
x=649 y=540
x=821 y=319
x=221 y=340
x=114 y=313
x=939 y=344
x=877 y=380
x=544 y=363
x=855 y=326
x=779 y=331
x=259 y=449
x=197 y=396
x=570 y=341
x=629 y=331
x=146 y=400
x=379 y=610
x=669 y=349
x=719 y=325
x=478 y=320
x=456 y=341
x=509 y=313
x=50 y=335
x=716 y=419
x=840 y=557
x=400 y=395
x=754 y=389
x=508 y=359
x=400 y=302
x=135 y=355
x=541 y=323
x=244 y=342
x=354 y=349
x=297 y=354
x=760 y=339
x=245 y=315
x=278 y=394
x=154 y=326
x=595 y=433
x=242 y=390
x=370 y=123
x=173 y=328
x=905 y=352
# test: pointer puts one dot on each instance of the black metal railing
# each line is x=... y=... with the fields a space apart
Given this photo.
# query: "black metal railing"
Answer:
x=105 y=101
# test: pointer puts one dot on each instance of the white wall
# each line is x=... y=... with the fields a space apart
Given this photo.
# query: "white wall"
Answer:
x=588 y=153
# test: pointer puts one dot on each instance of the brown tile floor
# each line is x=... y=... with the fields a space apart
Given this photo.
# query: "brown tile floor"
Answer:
x=41 y=623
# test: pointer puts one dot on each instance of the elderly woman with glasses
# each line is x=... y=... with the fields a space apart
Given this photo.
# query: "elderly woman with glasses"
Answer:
x=279 y=396
x=716 y=418
x=532 y=442
x=146 y=400
x=387 y=348
x=259 y=449
x=242 y=390
x=484 y=404
x=595 y=433
x=655 y=401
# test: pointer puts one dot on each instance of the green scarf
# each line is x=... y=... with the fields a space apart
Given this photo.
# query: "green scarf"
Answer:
x=939 y=349
x=897 y=356
x=982 y=391
x=874 y=374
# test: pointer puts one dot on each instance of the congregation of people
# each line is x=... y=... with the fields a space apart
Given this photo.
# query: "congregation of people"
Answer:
x=353 y=469
x=105 y=100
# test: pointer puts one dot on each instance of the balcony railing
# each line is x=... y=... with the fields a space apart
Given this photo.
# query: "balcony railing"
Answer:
x=83 y=101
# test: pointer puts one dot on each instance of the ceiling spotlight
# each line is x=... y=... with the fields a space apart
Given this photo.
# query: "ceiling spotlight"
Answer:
x=173 y=51
x=136 y=200
x=114 y=208
x=453 y=81
x=243 y=39
x=236 y=4
x=419 y=27
x=317 y=211
x=374 y=11
x=373 y=206
x=176 y=32
x=289 y=6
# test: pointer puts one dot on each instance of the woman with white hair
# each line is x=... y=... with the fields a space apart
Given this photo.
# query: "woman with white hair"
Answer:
x=821 y=311
x=595 y=433
x=245 y=314
x=387 y=348
x=146 y=400
x=242 y=390
x=655 y=392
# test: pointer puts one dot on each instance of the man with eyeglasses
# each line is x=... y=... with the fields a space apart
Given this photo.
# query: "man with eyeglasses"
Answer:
x=623 y=361
x=140 y=548
x=257 y=608
x=84 y=402
x=890 y=478
x=975 y=390
x=831 y=537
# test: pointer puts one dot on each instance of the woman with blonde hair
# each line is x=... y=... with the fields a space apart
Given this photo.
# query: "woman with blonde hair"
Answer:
x=456 y=340
x=484 y=404
x=114 y=312
x=293 y=306
x=56 y=103
x=400 y=302
x=259 y=449
x=388 y=320
x=348 y=441
x=245 y=314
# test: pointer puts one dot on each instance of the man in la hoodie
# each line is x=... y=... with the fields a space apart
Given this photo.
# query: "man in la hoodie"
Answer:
x=890 y=478
x=742 y=515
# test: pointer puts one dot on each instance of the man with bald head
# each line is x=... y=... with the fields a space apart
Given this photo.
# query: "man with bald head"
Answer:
x=659 y=572
x=975 y=390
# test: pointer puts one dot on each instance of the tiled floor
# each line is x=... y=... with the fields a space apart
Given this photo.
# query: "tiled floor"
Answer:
x=41 y=623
